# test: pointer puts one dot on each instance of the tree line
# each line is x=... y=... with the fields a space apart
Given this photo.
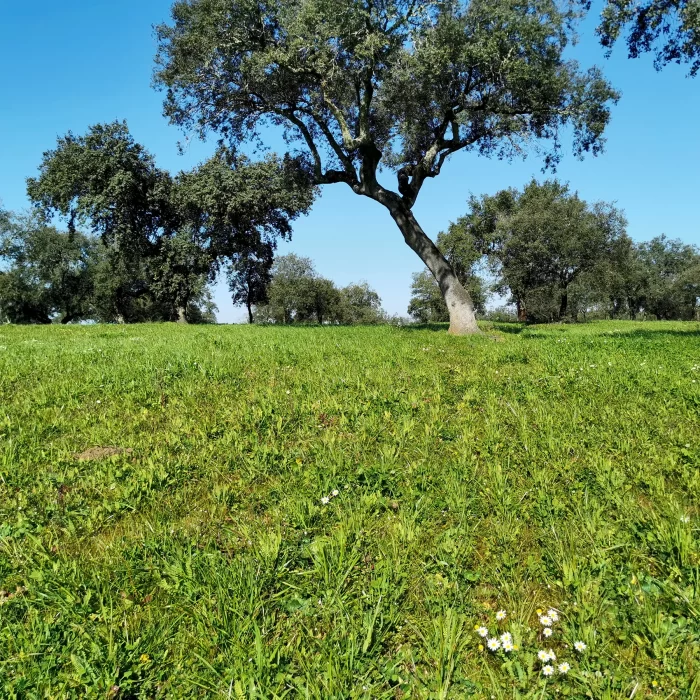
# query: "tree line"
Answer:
x=554 y=257
x=361 y=87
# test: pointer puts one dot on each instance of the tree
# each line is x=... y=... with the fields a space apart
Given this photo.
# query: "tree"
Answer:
x=672 y=276
x=360 y=304
x=358 y=84
x=541 y=241
x=427 y=304
x=49 y=273
x=166 y=236
x=249 y=276
x=670 y=28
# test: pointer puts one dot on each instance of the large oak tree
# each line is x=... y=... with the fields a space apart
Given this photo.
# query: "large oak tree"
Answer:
x=403 y=84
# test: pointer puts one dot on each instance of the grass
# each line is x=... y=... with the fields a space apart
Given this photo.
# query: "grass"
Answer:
x=550 y=466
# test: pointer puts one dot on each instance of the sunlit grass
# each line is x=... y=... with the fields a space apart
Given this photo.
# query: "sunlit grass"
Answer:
x=551 y=466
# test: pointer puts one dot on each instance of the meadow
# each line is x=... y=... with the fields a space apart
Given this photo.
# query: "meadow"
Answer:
x=327 y=513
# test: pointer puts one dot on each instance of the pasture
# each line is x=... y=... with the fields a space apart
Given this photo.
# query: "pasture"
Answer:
x=529 y=468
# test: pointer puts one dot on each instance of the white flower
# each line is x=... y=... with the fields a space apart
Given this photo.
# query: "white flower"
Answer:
x=547 y=670
x=551 y=656
x=335 y=493
x=547 y=631
x=482 y=632
x=684 y=518
x=564 y=668
x=506 y=637
x=325 y=500
x=553 y=615
x=580 y=646
x=508 y=646
x=493 y=644
x=542 y=655
x=501 y=615
x=546 y=621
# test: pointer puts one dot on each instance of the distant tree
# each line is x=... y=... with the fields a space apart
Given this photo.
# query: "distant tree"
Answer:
x=670 y=28
x=249 y=276
x=359 y=84
x=541 y=241
x=671 y=272
x=427 y=304
x=298 y=294
x=48 y=273
x=360 y=304
x=166 y=235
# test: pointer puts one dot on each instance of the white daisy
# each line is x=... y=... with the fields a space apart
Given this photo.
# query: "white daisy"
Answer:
x=501 y=615
x=547 y=631
x=546 y=621
x=506 y=637
x=542 y=655
x=553 y=615
x=482 y=632
x=564 y=668
x=551 y=656
x=335 y=492
x=508 y=646
x=547 y=670
x=325 y=500
x=493 y=644
x=580 y=646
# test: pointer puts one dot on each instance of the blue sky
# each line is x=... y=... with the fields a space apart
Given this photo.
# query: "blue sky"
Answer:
x=75 y=63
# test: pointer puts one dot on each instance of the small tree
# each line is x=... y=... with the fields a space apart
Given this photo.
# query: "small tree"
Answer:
x=358 y=84
x=249 y=276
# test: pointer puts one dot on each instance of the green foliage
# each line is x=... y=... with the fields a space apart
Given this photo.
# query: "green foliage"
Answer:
x=550 y=466
x=297 y=294
x=48 y=274
x=541 y=241
x=166 y=236
x=670 y=28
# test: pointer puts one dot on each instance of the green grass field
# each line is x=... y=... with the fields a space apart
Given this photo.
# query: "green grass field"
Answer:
x=525 y=469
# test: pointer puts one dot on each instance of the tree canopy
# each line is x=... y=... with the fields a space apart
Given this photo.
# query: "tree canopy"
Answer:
x=176 y=231
x=669 y=28
x=358 y=84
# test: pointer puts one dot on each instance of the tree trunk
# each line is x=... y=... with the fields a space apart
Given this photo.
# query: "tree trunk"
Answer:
x=564 y=304
x=250 y=312
x=521 y=311
x=181 y=314
x=459 y=303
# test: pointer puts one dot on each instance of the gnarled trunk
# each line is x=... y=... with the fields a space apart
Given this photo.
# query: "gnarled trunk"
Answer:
x=459 y=303
x=181 y=314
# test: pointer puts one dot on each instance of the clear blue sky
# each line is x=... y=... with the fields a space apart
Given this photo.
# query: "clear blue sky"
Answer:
x=67 y=65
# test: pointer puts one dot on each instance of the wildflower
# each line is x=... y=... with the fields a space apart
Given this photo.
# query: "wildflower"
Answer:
x=325 y=500
x=655 y=683
x=481 y=647
x=553 y=615
x=546 y=620
x=685 y=518
x=547 y=631
x=508 y=646
x=493 y=644
x=580 y=646
x=144 y=658
x=542 y=655
x=482 y=631
x=335 y=493
x=539 y=611
x=551 y=656
x=547 y=670
x=501 y=615
x=564 y=668
x=506 y=637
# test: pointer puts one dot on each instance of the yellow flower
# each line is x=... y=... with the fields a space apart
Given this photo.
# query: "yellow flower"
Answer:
x=481 y=647
x=654 y=683
x=144 y=658
x=539 y=611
